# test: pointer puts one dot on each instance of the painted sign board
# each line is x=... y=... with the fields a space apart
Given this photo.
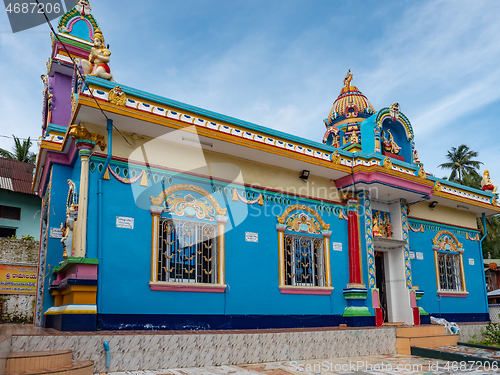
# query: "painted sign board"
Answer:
x=17 y=279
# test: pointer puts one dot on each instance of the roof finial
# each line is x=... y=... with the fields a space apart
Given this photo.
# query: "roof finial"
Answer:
x=348 y=79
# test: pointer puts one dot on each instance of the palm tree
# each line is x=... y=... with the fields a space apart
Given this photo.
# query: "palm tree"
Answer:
x=20 y=151
x=461 y=162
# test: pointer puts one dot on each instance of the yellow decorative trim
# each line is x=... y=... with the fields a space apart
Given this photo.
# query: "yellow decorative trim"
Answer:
x=387 y=163
x=455 y=247
x=117 y=97
x=158 y=201
x=80 y=132
x=144 y=180
x=422 y=174
x=106 y=174
x=336 y=158
x=437 y=186
x=282 y=218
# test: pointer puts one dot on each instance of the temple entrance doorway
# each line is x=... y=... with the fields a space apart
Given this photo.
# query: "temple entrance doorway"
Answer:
x=380 y=282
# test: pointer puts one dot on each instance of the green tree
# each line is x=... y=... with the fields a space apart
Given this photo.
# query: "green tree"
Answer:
x=491 y=243
x=20 y=151
x=461 y=162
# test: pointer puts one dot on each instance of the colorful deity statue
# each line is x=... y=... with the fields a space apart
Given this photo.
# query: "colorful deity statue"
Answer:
x=97 y=65
x=388 y=226
x=376 y=225
x=486 y=183
x=83 y=7
x=388 y=144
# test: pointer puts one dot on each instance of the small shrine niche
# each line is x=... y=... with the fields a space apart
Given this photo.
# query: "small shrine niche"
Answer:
x=382 y=226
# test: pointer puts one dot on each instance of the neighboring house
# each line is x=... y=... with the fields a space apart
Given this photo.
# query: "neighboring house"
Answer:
x=492 y=274
x=20 y=207
x=191 y=219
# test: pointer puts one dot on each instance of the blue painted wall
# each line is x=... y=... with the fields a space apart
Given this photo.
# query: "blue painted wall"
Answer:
x=252 y=269
x=424 y=274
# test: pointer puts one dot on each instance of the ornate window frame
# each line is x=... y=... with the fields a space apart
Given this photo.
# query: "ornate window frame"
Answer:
x=176 y=205
x=446 y=242
x=298 y=224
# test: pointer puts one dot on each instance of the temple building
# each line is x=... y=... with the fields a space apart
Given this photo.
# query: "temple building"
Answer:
x=162 y=215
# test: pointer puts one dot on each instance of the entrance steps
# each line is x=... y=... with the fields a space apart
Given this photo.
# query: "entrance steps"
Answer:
x=424 y=336
x=48 y=362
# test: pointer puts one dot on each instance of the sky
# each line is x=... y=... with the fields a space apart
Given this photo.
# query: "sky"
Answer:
x=281 y=64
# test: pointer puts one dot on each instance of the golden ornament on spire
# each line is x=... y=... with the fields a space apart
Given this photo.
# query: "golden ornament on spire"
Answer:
x=348 y=79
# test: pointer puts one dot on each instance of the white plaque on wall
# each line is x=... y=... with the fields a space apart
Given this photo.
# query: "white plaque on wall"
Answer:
x=55 y=233
x=420 y=256
x=251 y=237
x=337 y=246
x=471 y=261
x=125 y=222
x=412 y=255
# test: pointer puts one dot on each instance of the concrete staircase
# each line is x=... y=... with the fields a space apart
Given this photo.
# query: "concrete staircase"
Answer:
x=49 y=362
x=424 y=336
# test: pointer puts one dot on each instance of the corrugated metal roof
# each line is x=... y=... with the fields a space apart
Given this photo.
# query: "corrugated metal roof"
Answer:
x=16 y=176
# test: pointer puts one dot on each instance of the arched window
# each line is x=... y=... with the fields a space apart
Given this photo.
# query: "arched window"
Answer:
x=304 y=252
x=449 y=265
x=187 y=251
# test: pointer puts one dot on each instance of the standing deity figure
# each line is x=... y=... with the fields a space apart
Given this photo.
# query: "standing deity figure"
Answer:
x=388 y=226
x=348 y=79
x=97 y=65
x=83 y=7
x=67 y=232
x=486 y=183
x=376 y=227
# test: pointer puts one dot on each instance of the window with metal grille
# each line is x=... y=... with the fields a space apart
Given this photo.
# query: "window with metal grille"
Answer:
x=187 y=251
x=450 y=274
x=304 y=260
x=8 y=212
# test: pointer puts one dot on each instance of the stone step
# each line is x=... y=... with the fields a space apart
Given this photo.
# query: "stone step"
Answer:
x=75 y=368
x=404 y=344
x=31 y=361
x=420 y=331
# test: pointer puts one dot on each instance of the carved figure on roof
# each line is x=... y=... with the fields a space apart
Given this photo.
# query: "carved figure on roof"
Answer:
x=348 y=79
x=388 y=144
x=486 y=183
x=97 y=65
x=394 y=110
x=416 y=160
x=83 y=7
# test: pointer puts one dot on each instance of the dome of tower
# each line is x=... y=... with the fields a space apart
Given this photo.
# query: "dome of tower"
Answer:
x=350 y=105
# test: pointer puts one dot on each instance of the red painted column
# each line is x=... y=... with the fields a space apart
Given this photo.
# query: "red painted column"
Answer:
x=354 y=245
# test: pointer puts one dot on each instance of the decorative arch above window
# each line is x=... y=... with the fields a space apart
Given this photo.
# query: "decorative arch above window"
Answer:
x=450 y=277
x=304 y=252
x=187 y=250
